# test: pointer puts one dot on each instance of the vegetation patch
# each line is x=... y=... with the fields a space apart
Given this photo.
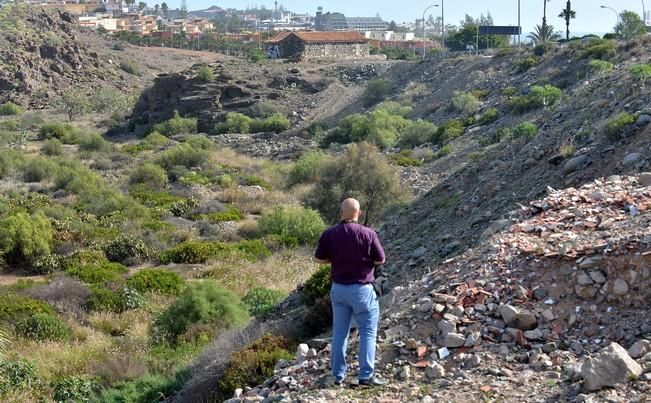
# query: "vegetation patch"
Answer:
x=9 y=109
x=200 y=252
x=615 y=127
x=260 y=301
x=161 y=281
x=176 y=125
x=42 y=327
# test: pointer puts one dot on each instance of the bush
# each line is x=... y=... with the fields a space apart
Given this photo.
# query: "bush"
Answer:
x=195 y=252
x=73 y=102
x=375 y=189
x=205 y=74
x=94 y=142
x=466 y=103
x=254 y=364
x=63 y=132
x=251 y=180
x=509 y=91
x=235 y=123
x=261 y=301
x=131 y=67
x=376 y=92
x=13 y=307
x=126 y=249
x=317 y=286
x=107 y=299
x=113 y=101
x=10 y=108
x=600 y=66
x=176 y=125
x=543 y=48
x=317 y=318
x=232 y=214
x=73 y=389
x=156 y=280
x=307 y=168
x=525 y=64
x=488 y=117
x=276 y=123
x=146 y=389
x=448 y=131
x=444 y=151
x=600 y=49
x=538 y=97
x=615 y=127
x=405 y=159
x=52 y=147
x=16 y=375
x=417 y=133
x=25 y=238
x=203 y=302
x=98 y=274
x=153 y=176
x=526 y=130
x=43 y=326
x=292 y=224
x=264 y=109
x=183 y=155
x=641 y=72
x=38 y=169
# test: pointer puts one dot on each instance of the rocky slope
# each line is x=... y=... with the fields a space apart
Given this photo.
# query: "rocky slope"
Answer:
x=45 y=52
x=537 y=312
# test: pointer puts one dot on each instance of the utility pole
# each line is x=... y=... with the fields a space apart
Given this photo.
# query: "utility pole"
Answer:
x=434 y=5
x=519 y=27
x=443 y=25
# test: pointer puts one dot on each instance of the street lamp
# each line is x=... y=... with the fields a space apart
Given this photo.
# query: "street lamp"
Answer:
x=644 y=12
x=434 y=5
x=443 y=25
x=614 y=11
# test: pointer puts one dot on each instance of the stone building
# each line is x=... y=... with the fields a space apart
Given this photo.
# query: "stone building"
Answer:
x=315 y=45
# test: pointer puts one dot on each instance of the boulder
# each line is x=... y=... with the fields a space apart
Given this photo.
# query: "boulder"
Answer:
x=452 y=340
x=302 y=352
x=611 y=366
x=575 y=164
x=640 y=348
x=435 y=371
x=631 y=159
x=643 y=120
x=522 y=319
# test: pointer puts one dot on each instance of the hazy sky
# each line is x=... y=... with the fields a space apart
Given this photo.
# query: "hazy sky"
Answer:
x=590 y=17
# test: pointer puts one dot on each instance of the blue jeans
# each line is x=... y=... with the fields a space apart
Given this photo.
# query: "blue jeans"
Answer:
x=359 y=300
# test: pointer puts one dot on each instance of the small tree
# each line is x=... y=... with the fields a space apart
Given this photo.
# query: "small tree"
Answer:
x=361 y=172
x=630 y=25
x=74 y=103
x=376 y=91
x=25 y=238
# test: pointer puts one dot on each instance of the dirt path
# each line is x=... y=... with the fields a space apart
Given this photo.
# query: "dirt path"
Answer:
x=11 y=279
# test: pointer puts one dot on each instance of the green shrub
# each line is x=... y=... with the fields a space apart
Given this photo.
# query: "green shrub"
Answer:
x=317 y=286
x=307 y=168
x=443 y=151
x=232 y=214
x=52 y=147
x=13 y=307
x=94 y=142
x=235 y=123
x=251 y=180
x=376 y=92
x=38 y=169
x=76 y=389
x=488 y=117
x=113 y=101
x=156 y=280
x=63 y=132
x=153 y=176
x=261 y=301
x=43 y=326
x=641 y=72
x=417 y=133
x=276 y=123
x=195 y=252
x=205 y=74
x=526 y=130
x=16 y=375
x=448 y=131
x=153 y=199
x=254 y=364
x=10 y=108
x=600 y=66
x=25 y=238
x=202 y=302
x=183 y=155
x=126 y=249
x=542 y=48
x=146 y=389
x=176 y=125
x=108 y=299
x=73 y=102
x=509 y=91
x=405 y=159
x=538 y=97
x=264 y=109
x=496 y=136
x=465 y=103
x=294 y=224
x=98 y=274
x=615 y=127
x=525 y=64
x=381 y=127
x=130 y=67
x=600 y=49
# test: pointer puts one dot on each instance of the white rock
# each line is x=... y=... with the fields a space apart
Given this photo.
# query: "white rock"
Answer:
x=620 y=287
x=435 y=371
x=610 y=367
x=302 y=352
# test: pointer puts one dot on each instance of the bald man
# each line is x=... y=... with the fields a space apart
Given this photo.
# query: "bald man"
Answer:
x=353 y=251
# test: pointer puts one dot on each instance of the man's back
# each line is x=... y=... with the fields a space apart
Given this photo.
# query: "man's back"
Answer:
x=352 y=250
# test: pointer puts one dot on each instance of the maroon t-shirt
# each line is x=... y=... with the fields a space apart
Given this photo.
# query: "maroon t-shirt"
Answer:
x=351 y=249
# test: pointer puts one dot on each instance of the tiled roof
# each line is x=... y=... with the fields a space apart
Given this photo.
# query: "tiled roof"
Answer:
x=305 y=36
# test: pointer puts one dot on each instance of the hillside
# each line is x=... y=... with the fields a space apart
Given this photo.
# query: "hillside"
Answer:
x=457 y=236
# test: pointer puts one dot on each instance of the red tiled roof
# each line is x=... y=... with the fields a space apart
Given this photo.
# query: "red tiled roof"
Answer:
x=311 y=36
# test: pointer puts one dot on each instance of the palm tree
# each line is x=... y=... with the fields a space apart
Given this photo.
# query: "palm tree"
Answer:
x=544 y=34
x=567 y=14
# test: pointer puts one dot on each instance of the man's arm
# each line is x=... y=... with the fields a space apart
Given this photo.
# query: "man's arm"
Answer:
x=321 y=255
x=377 y=252
x=322 y=261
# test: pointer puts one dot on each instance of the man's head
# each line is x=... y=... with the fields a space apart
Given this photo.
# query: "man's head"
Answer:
x=350 y=210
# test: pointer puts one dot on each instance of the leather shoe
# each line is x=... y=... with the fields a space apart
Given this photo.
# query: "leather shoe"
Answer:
x=374 y=381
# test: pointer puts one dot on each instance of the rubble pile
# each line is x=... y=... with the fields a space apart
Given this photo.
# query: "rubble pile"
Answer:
x=553 y=297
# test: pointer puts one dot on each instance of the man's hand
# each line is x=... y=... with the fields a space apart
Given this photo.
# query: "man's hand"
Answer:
x=379 y=263
x=321 y=261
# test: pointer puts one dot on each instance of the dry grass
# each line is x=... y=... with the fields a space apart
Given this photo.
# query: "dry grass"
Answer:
x=282 y=271
x=272 y=172
x=566 y=150
x=254 y=202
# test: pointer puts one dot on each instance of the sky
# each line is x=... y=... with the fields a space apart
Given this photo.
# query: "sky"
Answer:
x=590 y=16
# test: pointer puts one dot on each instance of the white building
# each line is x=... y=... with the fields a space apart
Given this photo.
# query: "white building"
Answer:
x=389 y=36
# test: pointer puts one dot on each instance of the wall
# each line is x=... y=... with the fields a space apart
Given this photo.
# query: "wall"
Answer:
x=337 y=50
